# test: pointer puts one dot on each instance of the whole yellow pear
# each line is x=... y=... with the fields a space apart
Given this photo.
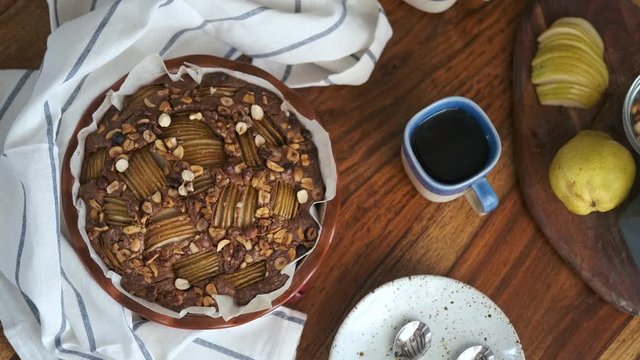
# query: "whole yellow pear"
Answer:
x=592 y=172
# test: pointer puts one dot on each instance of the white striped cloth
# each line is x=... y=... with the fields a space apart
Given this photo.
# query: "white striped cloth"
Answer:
x=49 y=305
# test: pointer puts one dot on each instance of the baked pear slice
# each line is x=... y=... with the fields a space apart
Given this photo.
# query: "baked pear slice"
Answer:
x=198 y=267
x=286 y=202
x=226 y=206
x=202 y=184
x=116 y=212
x=246 y=208
x=249 y=151
x=269 y=131
x=93 y=165
x=251 y=274
x=168 y=227
x=143 y=176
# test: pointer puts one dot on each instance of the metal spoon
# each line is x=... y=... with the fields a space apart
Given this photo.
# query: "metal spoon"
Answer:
x=412 y=341
x=477 y=352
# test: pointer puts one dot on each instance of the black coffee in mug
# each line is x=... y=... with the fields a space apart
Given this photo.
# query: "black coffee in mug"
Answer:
x=451 y=146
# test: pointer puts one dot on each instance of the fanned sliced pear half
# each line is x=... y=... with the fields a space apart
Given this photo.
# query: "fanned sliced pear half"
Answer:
x=93 y=165
x=247 y=276
x=168 y=227
x=144 y=176
x=586 y=28
x=197 y=267
x=116 y=212
x=286 y=202
x=567 y=94
x=568 y=68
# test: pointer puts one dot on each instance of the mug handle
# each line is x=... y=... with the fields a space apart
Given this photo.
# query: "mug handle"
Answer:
x=482 y=197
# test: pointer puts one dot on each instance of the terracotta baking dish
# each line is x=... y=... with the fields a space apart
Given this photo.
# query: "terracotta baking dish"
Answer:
x=192 y=321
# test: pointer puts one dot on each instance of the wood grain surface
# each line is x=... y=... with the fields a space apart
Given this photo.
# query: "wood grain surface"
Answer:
x=593 y=245
x=387 y=230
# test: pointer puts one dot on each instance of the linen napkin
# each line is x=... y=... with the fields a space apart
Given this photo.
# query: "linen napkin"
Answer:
x=50 y=307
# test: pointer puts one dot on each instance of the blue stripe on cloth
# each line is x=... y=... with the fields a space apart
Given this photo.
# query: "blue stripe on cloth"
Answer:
x=298 y=6
x=14 y=93
x=23 y=233
x=287 y=73
x=88 y=329
x=243 y=16
x=92 y=41
x=371 y=56
x=139 y=323
x=93 y=4
x=310 y=39
x=356 y=57
x=283 y=315
x=329 y=81
x=165 y=3
x=221 y=349
x=143 y=348
x=70 y=101
x=54 y=169
x=55 y=12
x=230 y=53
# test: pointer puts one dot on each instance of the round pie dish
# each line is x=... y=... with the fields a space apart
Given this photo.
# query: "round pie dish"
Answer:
x=305 y=267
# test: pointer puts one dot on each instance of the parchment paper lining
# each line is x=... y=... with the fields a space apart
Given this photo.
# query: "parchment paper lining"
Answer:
x=144 y=73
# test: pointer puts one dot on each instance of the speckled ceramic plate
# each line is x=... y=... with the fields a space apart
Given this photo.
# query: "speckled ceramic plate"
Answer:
x=458 y=315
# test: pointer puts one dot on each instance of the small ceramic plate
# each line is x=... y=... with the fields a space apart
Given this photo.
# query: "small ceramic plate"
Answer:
x=458 y=315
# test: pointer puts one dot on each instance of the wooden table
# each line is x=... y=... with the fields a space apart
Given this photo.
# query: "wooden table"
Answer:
x=387 y=230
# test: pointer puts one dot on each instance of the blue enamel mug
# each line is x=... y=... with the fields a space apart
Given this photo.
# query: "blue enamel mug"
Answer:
x=475 y=188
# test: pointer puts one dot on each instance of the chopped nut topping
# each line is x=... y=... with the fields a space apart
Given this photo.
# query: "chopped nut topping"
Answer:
x=208 y=301
x=122 y=165
x=241 y=128
x=135 y=245
x=307 y=183
x=164 y=106
x=179 y=152
x=263 y=197
x=222 y=244
x=298 y=173
x=148 y=103
x=275 y=167
x=181 y=284
x=115 y=185
x=304 y=160
x=259 y=140
x=188 y=175
x=186 y=100
x=197 y=170
x=280 y=263
x=164 y=120
x=193 y=248
x=157 y=197
x=160 y=146
x=249 y=98
x=262 y=212
x=127 y=128
x=211 y=289
x=256 y=112
x=115 y=151
x=130 y=230
x=226 y=101
x=196 y=116
x=302 y=196
x=182 y=190
x=149 y=136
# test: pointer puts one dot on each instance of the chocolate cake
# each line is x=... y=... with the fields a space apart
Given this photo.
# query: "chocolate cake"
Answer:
x=200 y=189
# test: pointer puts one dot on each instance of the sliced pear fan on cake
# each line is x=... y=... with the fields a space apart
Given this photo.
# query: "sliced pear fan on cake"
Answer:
x=201 y=145
x=168 y=227
x=116 y=212
x=143 y=176
x=269 y=131
x=249 y=151
x=93 y=165
x=197 y=267
x=251 y=274
x=202 y=184
x=286 y=203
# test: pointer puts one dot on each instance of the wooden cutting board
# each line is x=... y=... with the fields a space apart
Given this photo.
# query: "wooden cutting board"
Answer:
x=593 y=244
